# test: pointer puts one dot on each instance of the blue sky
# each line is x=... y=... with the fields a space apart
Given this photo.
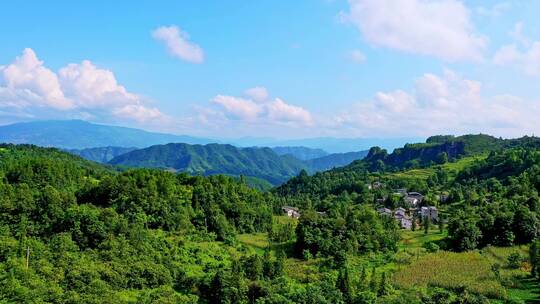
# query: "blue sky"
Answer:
x=358 y=68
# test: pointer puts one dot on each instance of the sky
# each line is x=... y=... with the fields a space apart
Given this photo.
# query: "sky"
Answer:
x=281 y=69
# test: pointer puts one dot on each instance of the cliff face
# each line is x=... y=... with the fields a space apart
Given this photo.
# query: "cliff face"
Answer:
x=415 y=155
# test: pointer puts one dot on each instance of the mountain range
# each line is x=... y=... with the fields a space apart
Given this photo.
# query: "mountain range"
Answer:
x=262 y=163
x=79 y=134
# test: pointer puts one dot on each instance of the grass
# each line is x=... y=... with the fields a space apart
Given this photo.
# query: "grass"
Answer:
x=452 y=270
x=416 y=239
x=414 y=267
x=257 y=241
x=423 y=174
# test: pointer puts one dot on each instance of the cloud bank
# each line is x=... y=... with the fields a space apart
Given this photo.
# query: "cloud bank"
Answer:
x=29 y=89
x=254 y=112
x=438 y=104
x=440 y=28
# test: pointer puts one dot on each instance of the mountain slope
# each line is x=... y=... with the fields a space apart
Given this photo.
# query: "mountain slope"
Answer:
x=436 y=151
x=334 y=160
x=100 y=154
x=302 y=153
x=215 y=159
x=78 y=134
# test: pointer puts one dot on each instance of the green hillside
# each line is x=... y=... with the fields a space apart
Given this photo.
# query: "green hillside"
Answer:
x=75 y=231
x=214 y=159
x=100 y=154
x=260 y=163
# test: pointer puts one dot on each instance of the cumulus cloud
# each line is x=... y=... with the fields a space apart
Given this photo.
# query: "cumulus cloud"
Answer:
x=239 y=108
x=259 y=108
x=28 y=81
x=257 y=93
x=440 y=28
x=438 y=104
x=523 y=54
x=28 y=88
x=178 y=43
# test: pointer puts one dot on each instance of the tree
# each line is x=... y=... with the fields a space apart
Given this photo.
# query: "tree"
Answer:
x=373 y=280
x=441 y=224
x=463 y=234
x=384 y=286
x=344 y=284
x=534 y=257
x=442 y=158
x=427 y=223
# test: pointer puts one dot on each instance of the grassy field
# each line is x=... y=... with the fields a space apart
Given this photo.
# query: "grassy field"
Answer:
x=452 y=271
x=423 y=174
x=257 y=241
x=415 y=267
x=416 y=239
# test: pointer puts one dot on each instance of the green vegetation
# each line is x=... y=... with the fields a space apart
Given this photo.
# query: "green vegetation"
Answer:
x=101 y=154
x=262 y=163
x=254 y=163
x=74 y=231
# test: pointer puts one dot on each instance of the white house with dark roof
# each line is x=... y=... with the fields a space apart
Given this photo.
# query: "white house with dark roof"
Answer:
x=430 y=212
x=291 y=211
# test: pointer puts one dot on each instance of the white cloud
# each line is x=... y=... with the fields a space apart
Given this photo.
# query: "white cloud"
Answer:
x=178 y=43
x=93 y=87
x=357 y=56
x=257 y=93
x=523 y=54
x=260 y=111
x=439 y=104
x=440 y=28
x=28 y=88
x=239 y=108
x=28 y=81
x=278 y=110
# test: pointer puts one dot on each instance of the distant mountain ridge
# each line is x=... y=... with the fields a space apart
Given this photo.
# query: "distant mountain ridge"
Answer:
x=79 y=134
x=302 y=153
x=214 y=159
x=100 y=154
x=334 y=160
x=262 y=163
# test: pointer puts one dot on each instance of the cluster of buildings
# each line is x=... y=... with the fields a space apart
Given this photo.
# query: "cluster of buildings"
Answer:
x=406 y=217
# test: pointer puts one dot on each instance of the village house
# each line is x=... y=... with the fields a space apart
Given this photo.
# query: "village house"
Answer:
x=414 y=198
x=430 y=212
x=377 y=185
x=400 y=211
x=291 y=211
x=385 y=211
x=405 y=222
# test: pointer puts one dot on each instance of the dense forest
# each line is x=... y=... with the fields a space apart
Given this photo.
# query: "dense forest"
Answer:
x=74 y=231
x=255 y=162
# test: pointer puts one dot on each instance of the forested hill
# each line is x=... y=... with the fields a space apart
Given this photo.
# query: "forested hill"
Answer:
x=436 y=151
x=334 y=160
x=261 y=163
x=214 y=159
x=302 y=153
x=441 y=149
x=74 y=231
x=100 y=154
